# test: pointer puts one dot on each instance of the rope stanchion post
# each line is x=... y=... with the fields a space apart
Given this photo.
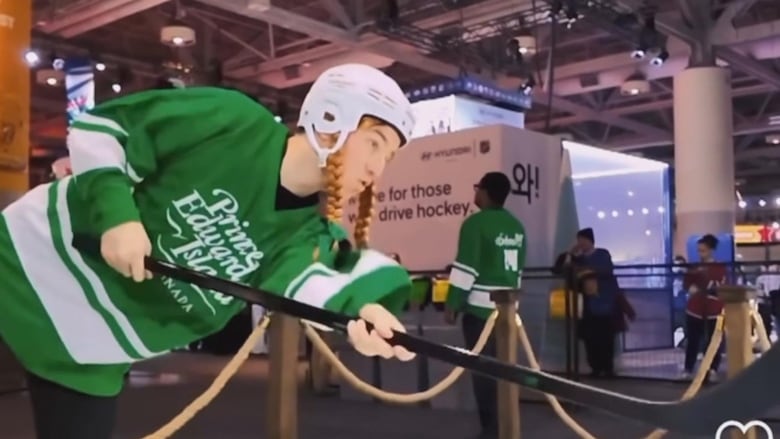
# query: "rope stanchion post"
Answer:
x=738 y=326
x=282 y=415
x=506 y=333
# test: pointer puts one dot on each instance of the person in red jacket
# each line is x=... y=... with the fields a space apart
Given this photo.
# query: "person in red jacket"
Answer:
x=704 y=307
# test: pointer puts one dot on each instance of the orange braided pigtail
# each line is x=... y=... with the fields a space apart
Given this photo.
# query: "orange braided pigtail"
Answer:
x=334 y=203
x=366 y=201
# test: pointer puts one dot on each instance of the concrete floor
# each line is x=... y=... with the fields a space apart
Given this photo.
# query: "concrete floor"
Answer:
x=239 y=412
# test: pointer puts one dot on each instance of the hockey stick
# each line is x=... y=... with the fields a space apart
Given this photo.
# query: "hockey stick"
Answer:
x=742 y=398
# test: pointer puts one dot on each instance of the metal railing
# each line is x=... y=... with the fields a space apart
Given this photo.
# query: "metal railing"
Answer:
x=653 y=344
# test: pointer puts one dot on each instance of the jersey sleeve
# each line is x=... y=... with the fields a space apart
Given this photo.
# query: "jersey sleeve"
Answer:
x=367 y=277
x=119 y=143
x=464 y=269
x=521 y=257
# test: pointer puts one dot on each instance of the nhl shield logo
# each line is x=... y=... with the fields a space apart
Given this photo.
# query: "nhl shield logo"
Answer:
x=484 y=146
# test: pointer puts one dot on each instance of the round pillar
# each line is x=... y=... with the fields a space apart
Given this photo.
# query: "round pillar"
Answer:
x=703 y=153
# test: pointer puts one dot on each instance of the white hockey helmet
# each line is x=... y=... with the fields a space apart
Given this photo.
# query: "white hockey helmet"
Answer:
x=342 y=95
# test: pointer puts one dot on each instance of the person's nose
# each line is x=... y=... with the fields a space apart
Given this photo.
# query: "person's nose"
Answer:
x=375 y=168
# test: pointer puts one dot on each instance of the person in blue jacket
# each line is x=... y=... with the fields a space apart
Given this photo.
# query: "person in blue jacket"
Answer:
x=600 y=288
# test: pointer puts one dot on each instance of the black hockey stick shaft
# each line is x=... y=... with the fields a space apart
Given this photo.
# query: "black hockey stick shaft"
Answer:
x=701 y=415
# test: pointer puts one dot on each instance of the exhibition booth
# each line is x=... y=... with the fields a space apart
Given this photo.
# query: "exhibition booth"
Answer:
x=428 y=190
x=757 y=242
x=626 y=200
x=455 y=113
x=558 y=187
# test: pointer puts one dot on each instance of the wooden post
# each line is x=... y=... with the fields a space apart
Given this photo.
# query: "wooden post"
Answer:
x=737 y=325
x=506 y=350
x=282 y=414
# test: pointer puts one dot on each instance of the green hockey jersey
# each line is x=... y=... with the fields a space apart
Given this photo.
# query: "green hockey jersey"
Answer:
x=200 y=169
x=491 y=256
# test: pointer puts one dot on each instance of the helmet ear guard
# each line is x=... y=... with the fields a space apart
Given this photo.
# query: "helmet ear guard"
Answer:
x=342 y=96
x=323 y=115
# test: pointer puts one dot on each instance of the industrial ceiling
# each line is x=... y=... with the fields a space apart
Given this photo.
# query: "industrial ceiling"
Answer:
x=275 y=49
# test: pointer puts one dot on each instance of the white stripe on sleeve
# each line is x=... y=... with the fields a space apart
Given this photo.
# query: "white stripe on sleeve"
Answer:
x=461 y=279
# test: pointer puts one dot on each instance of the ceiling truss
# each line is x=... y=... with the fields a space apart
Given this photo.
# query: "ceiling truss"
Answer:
x=266 y=58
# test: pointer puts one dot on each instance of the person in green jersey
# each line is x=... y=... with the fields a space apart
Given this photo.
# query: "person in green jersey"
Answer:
x=205 y=178
x=491 y=256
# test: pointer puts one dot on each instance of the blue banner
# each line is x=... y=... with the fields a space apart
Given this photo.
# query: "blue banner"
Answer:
x=80 y=86
x=725 y=253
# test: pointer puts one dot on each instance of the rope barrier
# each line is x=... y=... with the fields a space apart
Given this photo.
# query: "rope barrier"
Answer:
x=701 y=372
x=397 y=398
x=764 y=344
x=694 y=387
x=232 y=367
x=216 y=386
x=205 y=398
x=689 y=393
x=556 y=405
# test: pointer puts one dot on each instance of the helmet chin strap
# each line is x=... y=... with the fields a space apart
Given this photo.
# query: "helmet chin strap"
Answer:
x=324 y=153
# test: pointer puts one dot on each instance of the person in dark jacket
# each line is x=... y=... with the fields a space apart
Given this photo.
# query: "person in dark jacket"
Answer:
x=600 y=289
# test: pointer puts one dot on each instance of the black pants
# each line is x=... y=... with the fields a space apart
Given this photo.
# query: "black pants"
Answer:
x=61 y=413
x=598 y=336
x=765 y=311
x=485 y=389
x=697 y=331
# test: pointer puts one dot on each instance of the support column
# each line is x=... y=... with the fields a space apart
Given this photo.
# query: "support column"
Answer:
x=15 y=29
x=703 y=153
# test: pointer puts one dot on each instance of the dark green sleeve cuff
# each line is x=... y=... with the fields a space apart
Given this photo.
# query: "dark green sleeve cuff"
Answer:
x=112 y=202
x=456 y=298
x=389 y=286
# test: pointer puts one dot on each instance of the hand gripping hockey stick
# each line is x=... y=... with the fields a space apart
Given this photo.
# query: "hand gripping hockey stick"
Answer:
x=742 y=398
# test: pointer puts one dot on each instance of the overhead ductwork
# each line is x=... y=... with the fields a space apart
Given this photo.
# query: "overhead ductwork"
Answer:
x=629 y=142
x=646 y=107
x=92 y=15
x=307 y=72
x=617 y=76
x=483 y=12
x=612 y=70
